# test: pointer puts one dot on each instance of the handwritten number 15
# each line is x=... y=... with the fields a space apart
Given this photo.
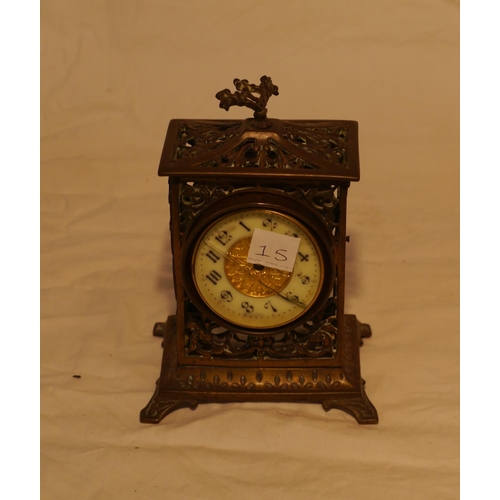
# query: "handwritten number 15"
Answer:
x=279 y=253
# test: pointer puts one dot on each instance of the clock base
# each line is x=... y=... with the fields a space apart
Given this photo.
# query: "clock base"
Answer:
x=333 y=384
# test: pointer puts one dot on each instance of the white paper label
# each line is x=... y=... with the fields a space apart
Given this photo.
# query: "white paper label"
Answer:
x=273 y=250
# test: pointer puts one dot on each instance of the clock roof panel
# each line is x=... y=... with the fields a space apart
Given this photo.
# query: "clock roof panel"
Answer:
x=302 y=149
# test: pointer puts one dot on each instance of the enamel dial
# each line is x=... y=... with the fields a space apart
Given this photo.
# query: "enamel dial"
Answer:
x=254 y=295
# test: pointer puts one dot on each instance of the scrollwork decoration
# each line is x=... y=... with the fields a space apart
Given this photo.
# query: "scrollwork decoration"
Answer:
x=325 y=201
x=313 y=340
x=195 y=197
x=196 y=139
x=255 y=153
x=325 y=142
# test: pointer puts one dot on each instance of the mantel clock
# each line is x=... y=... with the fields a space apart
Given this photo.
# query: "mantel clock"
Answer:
x=258 y=231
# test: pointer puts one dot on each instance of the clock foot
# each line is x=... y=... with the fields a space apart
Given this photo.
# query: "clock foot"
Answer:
x=364 y=330
x=360 y=408
x=159 y=329
x=158 y=408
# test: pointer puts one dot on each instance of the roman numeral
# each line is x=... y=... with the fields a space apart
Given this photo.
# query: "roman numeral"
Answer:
x=214 y=277
x=303 y=257
x=305 y=279
x=268 y=305
x=223 y=238
x=212 y=256
x=246 y=227
x=270 y=224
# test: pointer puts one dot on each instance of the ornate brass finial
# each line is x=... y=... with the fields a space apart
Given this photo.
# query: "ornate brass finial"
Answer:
x=250 y=95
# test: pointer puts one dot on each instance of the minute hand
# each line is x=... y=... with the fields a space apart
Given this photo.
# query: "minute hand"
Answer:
x=228 y=257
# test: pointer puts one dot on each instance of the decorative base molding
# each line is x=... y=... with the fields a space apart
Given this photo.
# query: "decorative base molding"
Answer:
x=335 y=384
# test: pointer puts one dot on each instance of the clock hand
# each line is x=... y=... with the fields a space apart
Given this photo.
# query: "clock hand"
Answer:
x=293 y=300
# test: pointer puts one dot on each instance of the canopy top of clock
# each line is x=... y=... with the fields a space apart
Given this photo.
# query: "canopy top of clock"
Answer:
x=303 y=150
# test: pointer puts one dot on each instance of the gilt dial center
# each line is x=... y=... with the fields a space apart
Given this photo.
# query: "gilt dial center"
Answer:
x=243 y=276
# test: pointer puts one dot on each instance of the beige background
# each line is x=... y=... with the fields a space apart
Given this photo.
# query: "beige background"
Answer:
x=112 y=76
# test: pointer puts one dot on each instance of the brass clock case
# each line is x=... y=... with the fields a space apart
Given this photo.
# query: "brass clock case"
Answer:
x=298 y=172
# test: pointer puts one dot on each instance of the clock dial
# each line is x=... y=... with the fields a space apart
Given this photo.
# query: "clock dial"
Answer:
x=255 y=295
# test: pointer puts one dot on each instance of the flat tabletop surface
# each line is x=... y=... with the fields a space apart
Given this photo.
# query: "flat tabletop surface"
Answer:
x=113 y=75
